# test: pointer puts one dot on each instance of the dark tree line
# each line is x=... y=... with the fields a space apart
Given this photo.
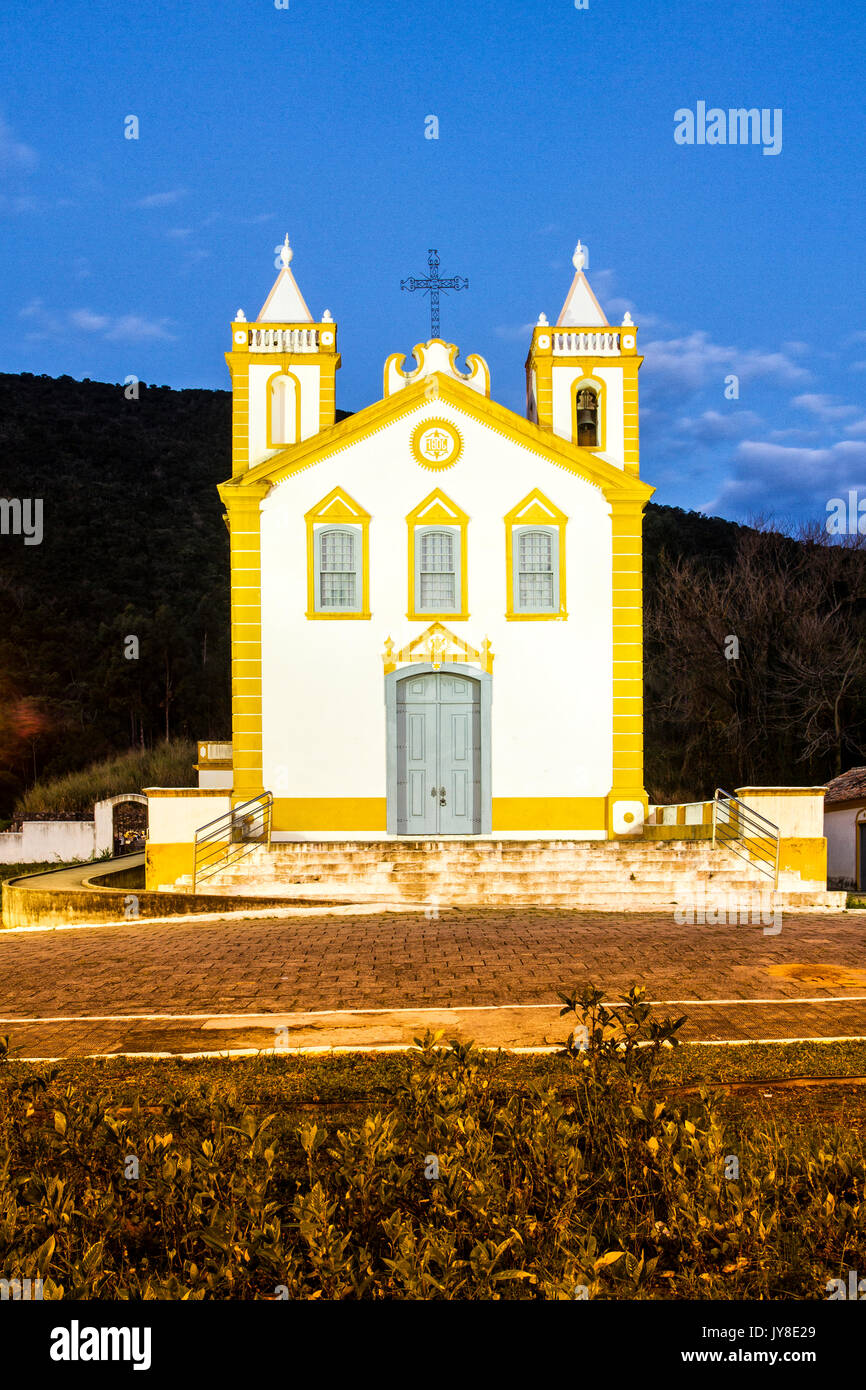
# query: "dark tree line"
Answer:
x=755 y=661
x=133 y=546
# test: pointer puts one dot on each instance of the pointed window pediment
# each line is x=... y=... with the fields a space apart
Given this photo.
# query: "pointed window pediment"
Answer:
x=438 y=547
x=535 y=559
x=338 y=558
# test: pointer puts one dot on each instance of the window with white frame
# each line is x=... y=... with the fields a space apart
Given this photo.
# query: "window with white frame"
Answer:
x=338 y=559
x=437 y=569
x=536 y=569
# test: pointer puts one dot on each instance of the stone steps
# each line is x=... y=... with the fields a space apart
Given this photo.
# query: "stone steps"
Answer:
x=598 y=874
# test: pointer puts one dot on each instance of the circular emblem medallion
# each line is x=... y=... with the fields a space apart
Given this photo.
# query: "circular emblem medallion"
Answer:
x=436 y=444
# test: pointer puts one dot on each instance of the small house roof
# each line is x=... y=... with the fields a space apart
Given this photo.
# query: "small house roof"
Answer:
x=851 y=786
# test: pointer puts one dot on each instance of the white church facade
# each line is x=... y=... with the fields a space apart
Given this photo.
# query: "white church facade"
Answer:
x=436 y=603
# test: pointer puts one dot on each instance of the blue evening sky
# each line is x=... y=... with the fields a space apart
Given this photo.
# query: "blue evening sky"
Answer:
x=127 y=257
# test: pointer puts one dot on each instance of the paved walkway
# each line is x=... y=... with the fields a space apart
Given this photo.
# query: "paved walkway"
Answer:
x=74 y=991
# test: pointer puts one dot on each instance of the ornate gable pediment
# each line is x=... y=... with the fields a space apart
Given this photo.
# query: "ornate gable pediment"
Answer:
x=435 y=645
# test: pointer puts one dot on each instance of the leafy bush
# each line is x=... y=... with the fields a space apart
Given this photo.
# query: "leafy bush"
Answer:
x=166 y=765
x=596 y=1187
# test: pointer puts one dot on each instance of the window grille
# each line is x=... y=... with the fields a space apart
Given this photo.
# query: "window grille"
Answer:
x=337 y=570
x=437 y=572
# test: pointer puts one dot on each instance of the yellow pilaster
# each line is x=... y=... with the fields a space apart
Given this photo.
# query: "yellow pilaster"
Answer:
x=627 y=598
x=243 y=508
x=239 y=368
x=540 y=361
x=631 y=428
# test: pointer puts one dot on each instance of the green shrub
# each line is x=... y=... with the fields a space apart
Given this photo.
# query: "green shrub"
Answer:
x=597 y=1186
x=166 y=765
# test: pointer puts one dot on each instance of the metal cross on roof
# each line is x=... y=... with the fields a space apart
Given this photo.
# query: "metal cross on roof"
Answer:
x=433 y=286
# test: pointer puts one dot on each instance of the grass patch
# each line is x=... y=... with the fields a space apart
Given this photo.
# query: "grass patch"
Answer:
x=442 y=1173
x=166 y=765
x=287 y=1080
x=20 y=870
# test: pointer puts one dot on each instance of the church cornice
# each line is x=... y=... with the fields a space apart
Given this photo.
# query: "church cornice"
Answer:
x=616 y=485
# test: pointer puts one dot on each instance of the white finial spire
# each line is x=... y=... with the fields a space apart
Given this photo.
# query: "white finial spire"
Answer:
x=578 y=260
x=240 y=316
x=285 y=253
x=326 y=317
x=627 y=320
x=542 y=320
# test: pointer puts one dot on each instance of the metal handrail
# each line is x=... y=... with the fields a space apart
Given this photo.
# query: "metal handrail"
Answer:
x=228 y=837
x=747 y=818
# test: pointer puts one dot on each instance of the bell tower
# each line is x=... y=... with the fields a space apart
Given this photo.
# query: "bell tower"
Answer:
x=581 y=376
x=283 y=367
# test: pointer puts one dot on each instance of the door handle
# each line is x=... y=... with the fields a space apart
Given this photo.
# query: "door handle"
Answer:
x=441 y=796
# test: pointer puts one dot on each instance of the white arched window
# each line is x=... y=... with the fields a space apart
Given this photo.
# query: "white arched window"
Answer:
x=284 y=411
x=337 y=561
x=536 y=563
x=437 y=575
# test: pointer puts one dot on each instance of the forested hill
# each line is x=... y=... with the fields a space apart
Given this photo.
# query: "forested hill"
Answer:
x=134 y=545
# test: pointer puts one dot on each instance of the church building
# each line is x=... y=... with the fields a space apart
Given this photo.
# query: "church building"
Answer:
x=436 y=603
x=437 y=646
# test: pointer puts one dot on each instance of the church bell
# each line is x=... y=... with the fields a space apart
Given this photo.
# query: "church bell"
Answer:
x=587 y=419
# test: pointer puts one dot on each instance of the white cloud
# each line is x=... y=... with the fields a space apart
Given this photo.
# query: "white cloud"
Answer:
x=130 y=328
x=803 y=436
x=713 y=426
x=786 y=479
x=161 y=200
x=691 y=363
x=14 y=154
x=824 y=407
x=87 y=321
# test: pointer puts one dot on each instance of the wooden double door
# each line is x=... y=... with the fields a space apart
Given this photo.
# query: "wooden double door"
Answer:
x=438 y=755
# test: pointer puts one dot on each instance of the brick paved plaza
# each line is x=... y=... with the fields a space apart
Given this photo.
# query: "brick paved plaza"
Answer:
x=91 y=979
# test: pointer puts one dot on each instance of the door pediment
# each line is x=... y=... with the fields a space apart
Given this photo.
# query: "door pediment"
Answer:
x=435 y=645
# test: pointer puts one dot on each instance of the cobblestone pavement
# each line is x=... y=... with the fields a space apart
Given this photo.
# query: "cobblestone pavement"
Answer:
x=90 y=979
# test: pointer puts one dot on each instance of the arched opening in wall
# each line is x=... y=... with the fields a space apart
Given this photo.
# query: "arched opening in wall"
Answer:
x=129 y=826
x=586 y=405
x=284 y=410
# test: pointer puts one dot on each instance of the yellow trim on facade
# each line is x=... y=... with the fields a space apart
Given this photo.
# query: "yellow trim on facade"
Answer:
x=165 y=864
x=337 y=506
x=807 y=857
x=363 y=813
x=244 y=510
x=535 y=509
x=612 y=481
x=438 y=510
x=419 y=353
x=445 y=427
x=565 y=813
x=542 y=813
x=434 y=646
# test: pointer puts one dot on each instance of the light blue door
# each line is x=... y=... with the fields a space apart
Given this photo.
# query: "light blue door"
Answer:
x=438 y=755
x=417 y=756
